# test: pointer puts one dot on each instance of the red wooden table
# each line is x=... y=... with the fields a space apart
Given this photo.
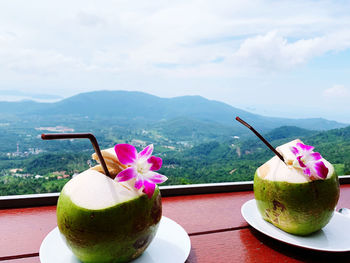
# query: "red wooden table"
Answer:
x=217 y=230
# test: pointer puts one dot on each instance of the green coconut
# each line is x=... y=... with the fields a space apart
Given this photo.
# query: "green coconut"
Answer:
x=290 y=200
x=102 y=220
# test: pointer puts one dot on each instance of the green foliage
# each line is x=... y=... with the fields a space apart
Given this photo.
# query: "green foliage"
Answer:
x=47 y=163
x=11 y=185
x=288 y=132
x=193 y=151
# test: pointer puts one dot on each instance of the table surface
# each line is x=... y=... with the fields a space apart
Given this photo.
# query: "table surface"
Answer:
x=214 y=223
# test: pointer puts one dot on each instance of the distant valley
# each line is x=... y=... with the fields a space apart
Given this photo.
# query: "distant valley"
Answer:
x=198 y=139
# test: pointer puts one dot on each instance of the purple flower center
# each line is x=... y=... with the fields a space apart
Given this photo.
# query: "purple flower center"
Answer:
x=141 y=167
x=309 y=161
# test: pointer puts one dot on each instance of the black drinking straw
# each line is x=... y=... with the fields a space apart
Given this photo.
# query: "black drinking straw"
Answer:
x=91 y=137
x=260 y=137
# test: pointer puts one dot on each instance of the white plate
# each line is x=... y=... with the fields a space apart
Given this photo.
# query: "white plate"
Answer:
x=171 y=244
x=334 y=237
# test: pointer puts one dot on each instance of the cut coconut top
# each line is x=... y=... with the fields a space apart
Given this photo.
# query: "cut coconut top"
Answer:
x=276 y=170
x=94 y=190
x=285 y=151
x=113 y=164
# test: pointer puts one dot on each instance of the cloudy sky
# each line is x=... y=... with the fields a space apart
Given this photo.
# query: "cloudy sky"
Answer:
x=276 y=58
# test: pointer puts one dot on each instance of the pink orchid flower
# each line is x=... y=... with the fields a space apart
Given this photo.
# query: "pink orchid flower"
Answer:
x=309 y=161
x=141 y=167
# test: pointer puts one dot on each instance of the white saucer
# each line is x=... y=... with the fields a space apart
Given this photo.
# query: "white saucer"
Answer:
x=334 y=237
x=171 y=244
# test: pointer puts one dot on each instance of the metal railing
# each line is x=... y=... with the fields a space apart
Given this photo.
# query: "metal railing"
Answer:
x=16 y=201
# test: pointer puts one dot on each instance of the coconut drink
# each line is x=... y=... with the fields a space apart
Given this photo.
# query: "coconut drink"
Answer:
x=112 y=218
x=298 y=195
x=297 y=190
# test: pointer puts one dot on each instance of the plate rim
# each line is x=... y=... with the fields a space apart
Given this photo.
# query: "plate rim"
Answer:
x=245 y=206
x=188 y=240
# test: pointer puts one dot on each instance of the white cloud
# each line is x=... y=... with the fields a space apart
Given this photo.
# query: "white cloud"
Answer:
x=25 y=61
x=337 y=91
x=273 y=51
x=146 y=35
x=185 y=44
x=140 y=37
x=89 y=20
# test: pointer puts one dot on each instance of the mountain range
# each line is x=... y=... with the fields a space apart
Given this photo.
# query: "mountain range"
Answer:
x=198 y=139
x=138 y=107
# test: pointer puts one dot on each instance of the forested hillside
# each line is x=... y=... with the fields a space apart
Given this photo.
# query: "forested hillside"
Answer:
x=213 y=161
x=198 y=139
